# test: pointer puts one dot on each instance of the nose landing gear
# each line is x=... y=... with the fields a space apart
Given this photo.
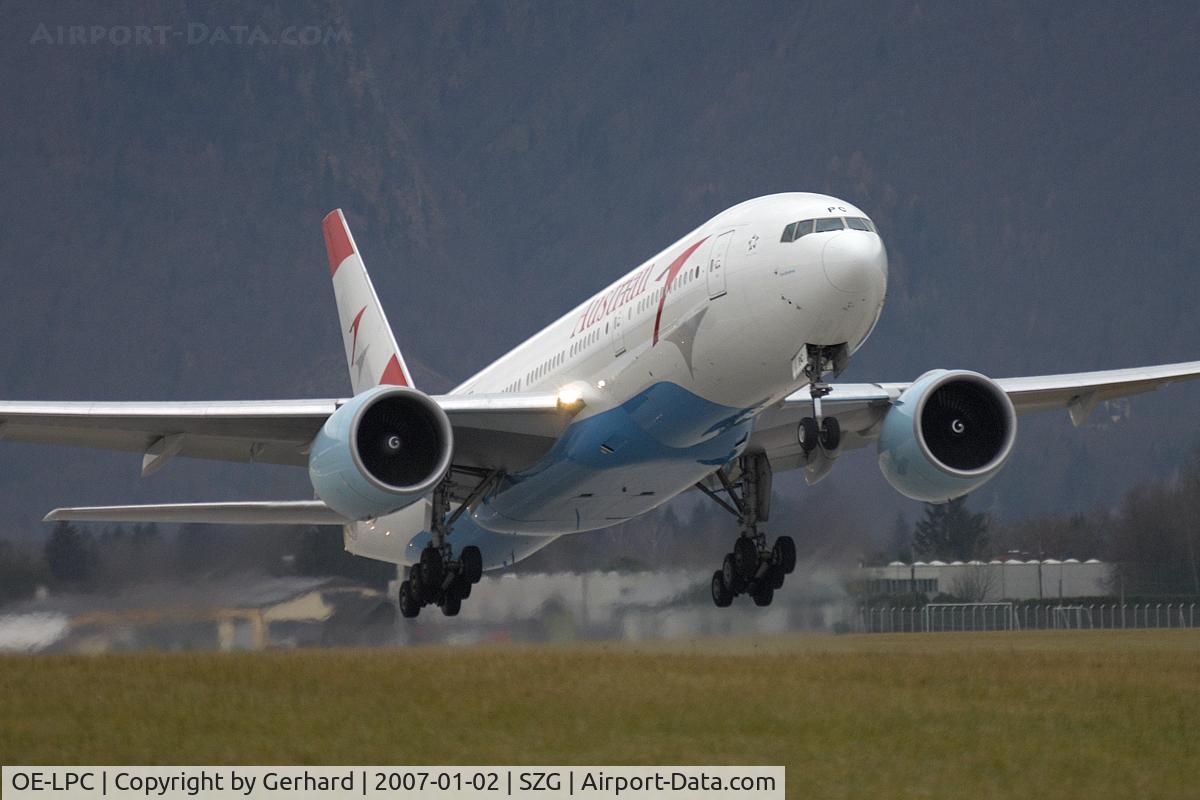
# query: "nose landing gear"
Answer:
x=818 y=430
x=826 y=434
x=752 y=567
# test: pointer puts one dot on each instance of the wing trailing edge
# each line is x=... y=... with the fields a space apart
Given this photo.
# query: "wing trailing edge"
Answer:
x=284 y=512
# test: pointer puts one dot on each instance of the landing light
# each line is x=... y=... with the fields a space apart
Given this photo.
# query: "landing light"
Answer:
x=569 y=396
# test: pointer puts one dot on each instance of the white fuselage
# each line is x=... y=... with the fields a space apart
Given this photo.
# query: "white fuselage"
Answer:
x=676 y=358
x=737 y=311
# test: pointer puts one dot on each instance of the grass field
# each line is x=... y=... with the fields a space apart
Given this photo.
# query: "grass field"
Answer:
x=1055 y=715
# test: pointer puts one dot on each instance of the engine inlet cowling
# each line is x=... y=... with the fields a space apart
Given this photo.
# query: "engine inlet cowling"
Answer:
x=947 y=435
x=382 y=451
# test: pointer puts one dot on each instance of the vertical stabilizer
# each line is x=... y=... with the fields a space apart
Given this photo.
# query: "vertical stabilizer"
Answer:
x=371 y=352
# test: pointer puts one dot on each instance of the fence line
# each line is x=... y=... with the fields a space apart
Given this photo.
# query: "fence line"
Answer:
x=1010 y=616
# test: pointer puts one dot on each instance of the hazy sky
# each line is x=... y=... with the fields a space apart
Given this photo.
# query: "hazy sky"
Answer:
x=1031 y=167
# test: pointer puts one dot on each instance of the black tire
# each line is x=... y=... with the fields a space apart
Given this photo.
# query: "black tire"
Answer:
x=462 y=586
x=472 y=563
x=807 y=434
x=785 y=554
x=433 y=566
x=451 y=603
x=409 y=606
x=721 y=594
x=417 y=583
x=745 y=558
x=763 y=595
x=733 y=581
x=831 y=434
x=775 y=577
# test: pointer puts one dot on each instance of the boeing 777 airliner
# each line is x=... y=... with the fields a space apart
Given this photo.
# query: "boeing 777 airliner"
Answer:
x=704 y=368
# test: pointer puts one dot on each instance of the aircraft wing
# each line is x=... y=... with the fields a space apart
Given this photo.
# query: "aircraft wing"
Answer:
x=860 y=407
x=1080 y=392
x=287 y=512
x=498 y=431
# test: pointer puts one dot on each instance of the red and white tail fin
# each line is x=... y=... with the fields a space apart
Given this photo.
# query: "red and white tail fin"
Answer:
x=371 y=351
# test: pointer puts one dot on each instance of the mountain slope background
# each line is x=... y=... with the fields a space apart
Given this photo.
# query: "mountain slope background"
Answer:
x=1031 y=167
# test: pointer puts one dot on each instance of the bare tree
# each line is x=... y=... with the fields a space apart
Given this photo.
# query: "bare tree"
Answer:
x=974 y=583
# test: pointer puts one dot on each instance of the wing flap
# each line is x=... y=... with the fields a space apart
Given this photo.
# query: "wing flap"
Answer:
x=287 y=512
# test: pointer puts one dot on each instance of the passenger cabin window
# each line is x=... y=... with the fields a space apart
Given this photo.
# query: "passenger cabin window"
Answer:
x=829 y=224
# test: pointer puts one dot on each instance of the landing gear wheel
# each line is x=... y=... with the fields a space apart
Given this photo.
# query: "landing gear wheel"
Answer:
x=472 y=563
x=452 y=602
x=432 y=565
x=745 y=558
x=733 y=581
x=409 y=606
x=462 y=586
x=785 y=554
x=722 y=595
x=808 y=434
x=763 y=595
x=831 y=434
x=775 y=577
x=417 y=585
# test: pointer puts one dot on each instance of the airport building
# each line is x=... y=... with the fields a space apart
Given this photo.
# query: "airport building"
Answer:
x=233 y=613
x=989 y=581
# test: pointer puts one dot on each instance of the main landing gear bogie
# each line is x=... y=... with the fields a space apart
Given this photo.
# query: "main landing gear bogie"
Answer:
x=436 y=581
x=438 y=578
x=758 y=577
x=751 y=567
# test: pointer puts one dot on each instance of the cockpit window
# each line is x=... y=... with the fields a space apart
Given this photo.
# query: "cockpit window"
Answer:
x=829 y=224
x=859 y=224
x=797 y=229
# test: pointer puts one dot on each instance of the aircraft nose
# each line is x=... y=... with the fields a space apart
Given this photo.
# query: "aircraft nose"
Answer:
x=855 y=262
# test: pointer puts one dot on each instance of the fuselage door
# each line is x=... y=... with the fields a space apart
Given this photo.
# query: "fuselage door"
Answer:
x=716 y=264
x=618 y=336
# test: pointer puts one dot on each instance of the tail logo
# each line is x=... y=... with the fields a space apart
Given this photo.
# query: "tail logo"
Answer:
x=361 y=360
x=354 y=329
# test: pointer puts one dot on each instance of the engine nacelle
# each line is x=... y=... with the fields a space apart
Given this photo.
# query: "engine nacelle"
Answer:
x=947 y=435
x=380 y=452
